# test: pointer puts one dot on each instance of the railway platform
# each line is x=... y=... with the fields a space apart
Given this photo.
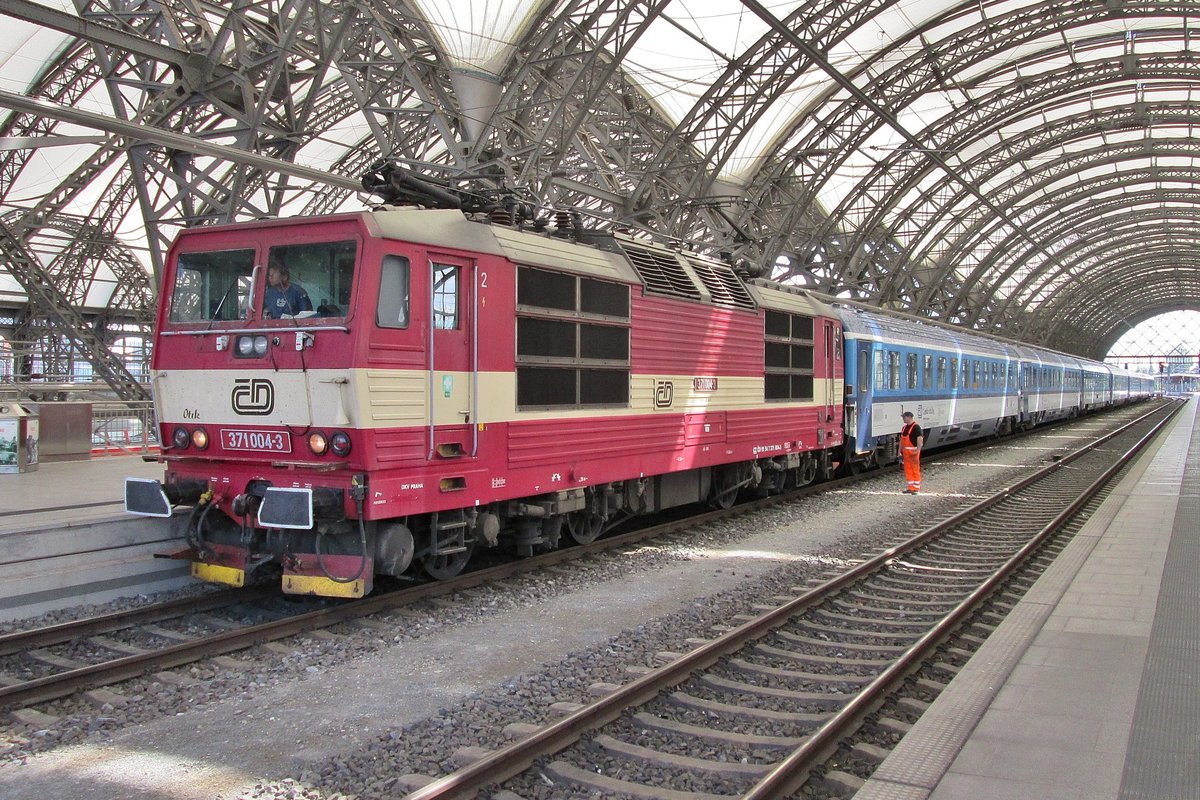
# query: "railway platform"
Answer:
x=1088 y=689
x=64 y=535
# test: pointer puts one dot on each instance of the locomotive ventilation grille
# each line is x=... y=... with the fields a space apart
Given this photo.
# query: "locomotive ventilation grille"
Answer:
x=724 y=286
x=661 y=272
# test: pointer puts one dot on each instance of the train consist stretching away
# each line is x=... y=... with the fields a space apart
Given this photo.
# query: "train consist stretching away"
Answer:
x=444 y=384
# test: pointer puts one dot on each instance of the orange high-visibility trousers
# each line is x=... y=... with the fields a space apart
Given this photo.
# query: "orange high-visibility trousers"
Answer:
x=911 y=456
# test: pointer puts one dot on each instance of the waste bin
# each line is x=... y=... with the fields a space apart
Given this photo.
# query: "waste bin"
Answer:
x=18 y=438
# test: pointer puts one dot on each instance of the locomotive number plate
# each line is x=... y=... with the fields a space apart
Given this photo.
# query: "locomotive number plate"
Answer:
x=256 y=441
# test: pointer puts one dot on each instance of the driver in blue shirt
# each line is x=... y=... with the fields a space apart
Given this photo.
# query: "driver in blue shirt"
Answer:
x=283 y=296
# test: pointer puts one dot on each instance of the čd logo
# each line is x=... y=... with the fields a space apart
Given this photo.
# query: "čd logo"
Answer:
x=253 y=396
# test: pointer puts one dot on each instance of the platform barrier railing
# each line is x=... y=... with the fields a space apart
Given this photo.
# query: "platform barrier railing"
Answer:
x=123 y=428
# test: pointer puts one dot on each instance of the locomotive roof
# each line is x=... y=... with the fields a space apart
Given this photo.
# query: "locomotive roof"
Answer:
x=449 y=228
x=782 y=298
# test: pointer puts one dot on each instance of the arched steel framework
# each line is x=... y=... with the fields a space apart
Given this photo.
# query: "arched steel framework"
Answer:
x=1024 y=168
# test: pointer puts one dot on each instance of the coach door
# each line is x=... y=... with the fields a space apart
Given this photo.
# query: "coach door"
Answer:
x=453 y=358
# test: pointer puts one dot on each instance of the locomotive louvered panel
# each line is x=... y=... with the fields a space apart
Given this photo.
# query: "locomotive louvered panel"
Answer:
x=661 y=271
x=764 y=427
x=686 y=338
x=409 y=445
x=551 y=440
x=724 y=286
x=397 y=397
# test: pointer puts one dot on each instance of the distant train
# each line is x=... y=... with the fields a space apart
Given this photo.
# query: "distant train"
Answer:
x=454 y=384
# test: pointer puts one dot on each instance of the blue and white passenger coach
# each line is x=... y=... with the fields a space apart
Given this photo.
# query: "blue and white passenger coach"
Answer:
x=959 y=385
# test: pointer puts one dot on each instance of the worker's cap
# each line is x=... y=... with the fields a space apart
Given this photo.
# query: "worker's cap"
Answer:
x=907 y=414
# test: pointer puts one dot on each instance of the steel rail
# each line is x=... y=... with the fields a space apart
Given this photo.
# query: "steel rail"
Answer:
x=19 y=641
x=791 y=773
x=62 y=684
x=514 y=758
x=52 y=687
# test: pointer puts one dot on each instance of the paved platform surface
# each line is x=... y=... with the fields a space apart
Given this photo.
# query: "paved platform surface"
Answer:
x=1091 y=688
x=65 y=493
x=65 y=538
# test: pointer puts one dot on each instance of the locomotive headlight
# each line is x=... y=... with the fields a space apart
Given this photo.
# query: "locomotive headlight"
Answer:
x=249 y=346
x=200 y=438
x=318 y=443
x=180 y=437
x=339 y=442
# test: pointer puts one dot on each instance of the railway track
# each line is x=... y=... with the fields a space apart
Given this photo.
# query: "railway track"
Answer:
x=50 y=663
x=757 y=711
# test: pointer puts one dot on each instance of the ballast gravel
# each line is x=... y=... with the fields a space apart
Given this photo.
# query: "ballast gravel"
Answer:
x=359 y=714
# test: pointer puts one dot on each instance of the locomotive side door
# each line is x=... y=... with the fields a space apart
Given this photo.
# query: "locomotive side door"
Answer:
x=832 y=358
x=453 y=358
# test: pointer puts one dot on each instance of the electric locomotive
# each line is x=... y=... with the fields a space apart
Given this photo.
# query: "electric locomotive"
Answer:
x=463 y=378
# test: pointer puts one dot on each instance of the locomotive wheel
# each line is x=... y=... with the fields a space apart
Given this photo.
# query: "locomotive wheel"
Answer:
x=445 y=567
x=724 y=500
x=584 y=527
x=725 y=488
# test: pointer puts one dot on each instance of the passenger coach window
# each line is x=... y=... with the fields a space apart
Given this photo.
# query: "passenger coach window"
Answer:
x=954 y=373
x=911 y=370
x=941 y=372
x=211 y=286
x=321 y=272
x=445 y=297
x=927 y=372
x=893 y=369
x=864 y=370
x=392 y=310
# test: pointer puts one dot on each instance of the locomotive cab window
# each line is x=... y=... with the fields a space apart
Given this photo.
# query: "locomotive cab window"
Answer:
x=212 y=286
x=392 y=310
x=309 y=280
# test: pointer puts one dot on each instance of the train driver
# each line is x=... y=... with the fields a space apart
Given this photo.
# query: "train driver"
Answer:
x=912 y=439
x=283 y=296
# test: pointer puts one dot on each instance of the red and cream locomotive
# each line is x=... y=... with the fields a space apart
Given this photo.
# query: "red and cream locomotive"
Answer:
x=452 y=384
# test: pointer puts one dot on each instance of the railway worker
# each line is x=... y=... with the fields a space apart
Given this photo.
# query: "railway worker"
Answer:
x=912 y=439
x=283 y=296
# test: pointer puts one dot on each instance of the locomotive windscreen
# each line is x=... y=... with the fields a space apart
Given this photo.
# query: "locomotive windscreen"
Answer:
x=211 y=286
x=323 y=270
x=216 y=285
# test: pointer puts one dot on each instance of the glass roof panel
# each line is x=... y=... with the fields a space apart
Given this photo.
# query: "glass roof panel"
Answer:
x=478 y=34
x=692 y=44
x=26 y=48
